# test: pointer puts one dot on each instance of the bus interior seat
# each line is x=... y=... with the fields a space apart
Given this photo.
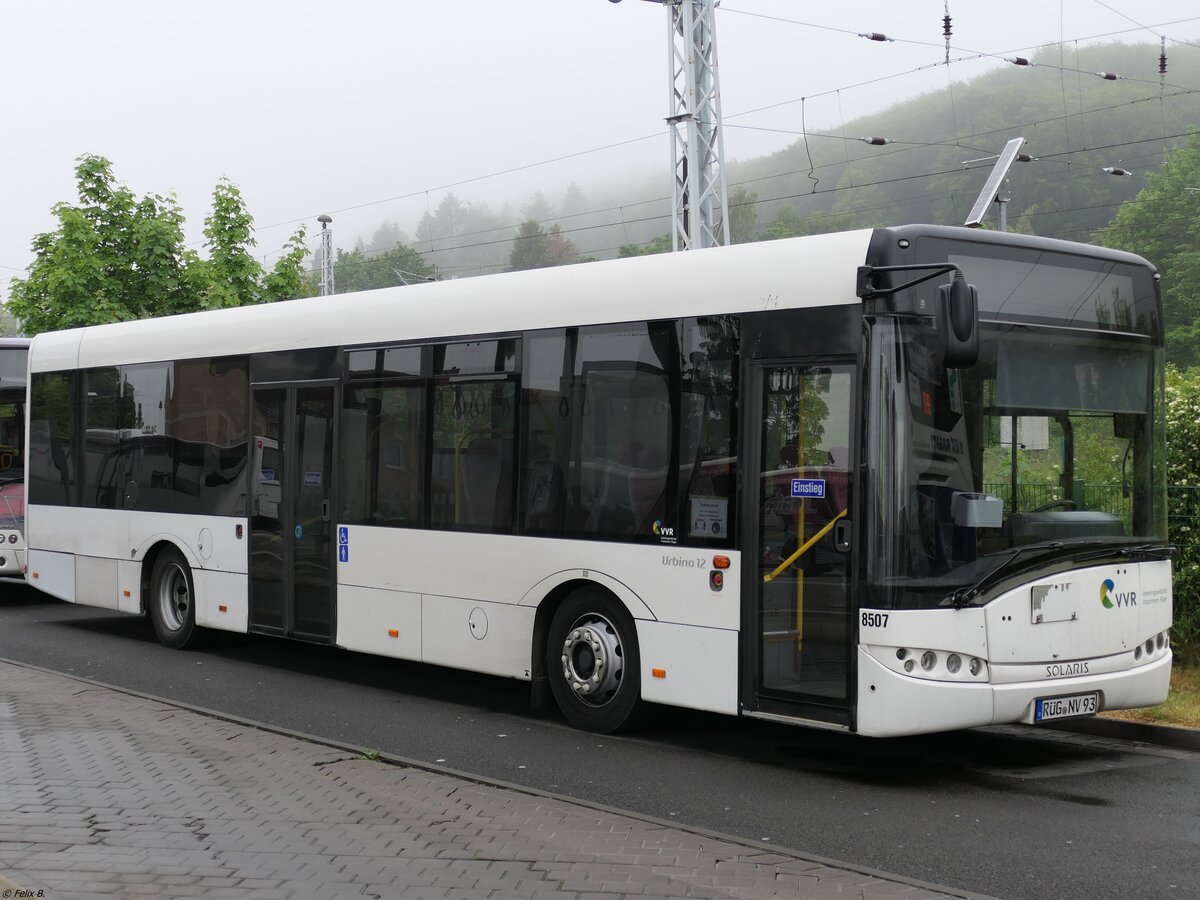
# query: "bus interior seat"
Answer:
x=630 y=490
x=545 y=497
x=486 y=485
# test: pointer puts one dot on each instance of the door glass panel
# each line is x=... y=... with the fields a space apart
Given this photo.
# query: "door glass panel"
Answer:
x=804 y=502
x=267 y=547
x=312 y=523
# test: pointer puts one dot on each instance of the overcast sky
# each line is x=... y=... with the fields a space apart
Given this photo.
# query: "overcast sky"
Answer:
x=338 y=106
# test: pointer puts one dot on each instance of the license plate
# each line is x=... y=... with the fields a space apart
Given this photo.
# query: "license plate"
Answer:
x=1066 y=707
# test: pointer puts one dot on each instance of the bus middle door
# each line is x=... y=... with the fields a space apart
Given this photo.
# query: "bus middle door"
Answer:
x=291 y=526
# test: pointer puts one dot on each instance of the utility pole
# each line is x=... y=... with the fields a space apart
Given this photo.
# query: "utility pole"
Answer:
x=326 y=287
x=700 y=202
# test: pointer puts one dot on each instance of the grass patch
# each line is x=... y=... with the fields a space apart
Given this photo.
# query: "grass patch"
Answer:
x=1182 y=707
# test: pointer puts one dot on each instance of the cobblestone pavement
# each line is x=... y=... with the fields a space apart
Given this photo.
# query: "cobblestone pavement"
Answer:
x=103 y=793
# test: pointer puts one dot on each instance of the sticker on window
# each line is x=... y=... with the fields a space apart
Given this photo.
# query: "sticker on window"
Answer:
x=710 y=517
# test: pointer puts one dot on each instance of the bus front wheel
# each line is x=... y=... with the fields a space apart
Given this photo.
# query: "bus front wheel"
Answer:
x=593 y=663
x=172 y=600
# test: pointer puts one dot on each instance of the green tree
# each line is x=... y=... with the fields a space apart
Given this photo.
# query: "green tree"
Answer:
x=536 y=248
x=116 y=257
x=743 y=216
x=660 y=244
x=387 y=236
x=363 y=270
x=232 y=275
x=1163 y=224
x=113 y=257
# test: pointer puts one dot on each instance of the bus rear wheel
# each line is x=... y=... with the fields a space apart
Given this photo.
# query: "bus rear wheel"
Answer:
x=593 y=663
x=172 y=600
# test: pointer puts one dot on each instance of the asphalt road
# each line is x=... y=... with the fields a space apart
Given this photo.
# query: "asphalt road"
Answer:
x=1010 y=812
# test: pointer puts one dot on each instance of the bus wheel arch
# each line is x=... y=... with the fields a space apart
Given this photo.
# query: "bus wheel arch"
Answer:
x=169 y=595
x=591 y=657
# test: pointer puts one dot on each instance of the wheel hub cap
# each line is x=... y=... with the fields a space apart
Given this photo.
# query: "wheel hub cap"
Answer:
x=592 y=661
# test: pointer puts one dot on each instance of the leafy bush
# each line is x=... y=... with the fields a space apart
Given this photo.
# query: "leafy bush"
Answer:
x=1183 y=474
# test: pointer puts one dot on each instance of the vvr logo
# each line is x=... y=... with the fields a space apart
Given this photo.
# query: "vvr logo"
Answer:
x=1110 y=598
x=662 y=530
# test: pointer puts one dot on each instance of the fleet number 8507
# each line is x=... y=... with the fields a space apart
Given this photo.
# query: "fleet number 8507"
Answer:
x=874 y=620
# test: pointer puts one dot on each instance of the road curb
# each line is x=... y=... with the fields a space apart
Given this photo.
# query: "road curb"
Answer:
x=1141 y=732
x=394 y=760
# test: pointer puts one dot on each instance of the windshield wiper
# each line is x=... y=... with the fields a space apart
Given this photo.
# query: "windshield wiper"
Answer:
x=965 y=595
x=1158 y=551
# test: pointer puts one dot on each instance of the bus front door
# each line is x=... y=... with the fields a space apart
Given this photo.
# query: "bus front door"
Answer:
x=291 y=527
x=801 y=615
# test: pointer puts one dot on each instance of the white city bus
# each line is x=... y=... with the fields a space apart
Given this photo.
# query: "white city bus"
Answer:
x=818 y=480
x=14 y=356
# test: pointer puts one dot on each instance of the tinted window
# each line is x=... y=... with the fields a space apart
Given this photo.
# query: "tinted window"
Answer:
x=165 y=436
x=383 y=454
x=546 y=404
x=51 y=433
x=708 y=428
x=471 y=485
x=628 y=431
x=622 y=412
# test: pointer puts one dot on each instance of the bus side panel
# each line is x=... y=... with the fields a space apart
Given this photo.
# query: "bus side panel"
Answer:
x=221 y=600
x=53 y=573
x=129 y=586
x=683 y=665
x=96 y=582
x=668 y=583
x=494 y=638
x=367 y=618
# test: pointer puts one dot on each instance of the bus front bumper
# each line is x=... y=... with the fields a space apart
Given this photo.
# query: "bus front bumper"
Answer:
x=892 y=705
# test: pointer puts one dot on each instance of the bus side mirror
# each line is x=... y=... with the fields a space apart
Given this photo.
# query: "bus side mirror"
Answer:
x=958 y=323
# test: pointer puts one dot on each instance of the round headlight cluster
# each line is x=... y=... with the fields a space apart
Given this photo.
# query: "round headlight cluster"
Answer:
x=1156 y=644
x=938 y=664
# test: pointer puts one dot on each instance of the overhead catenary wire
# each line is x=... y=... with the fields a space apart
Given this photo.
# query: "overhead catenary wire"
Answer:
x=1086 y=168
x=812 y=169
x=724 y=10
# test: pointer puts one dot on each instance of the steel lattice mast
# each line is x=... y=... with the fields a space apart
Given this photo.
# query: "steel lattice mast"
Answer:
x=326 y=286
x=700 y=204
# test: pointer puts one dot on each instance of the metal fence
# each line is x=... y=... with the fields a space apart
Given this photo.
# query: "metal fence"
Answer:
x=1183 y=515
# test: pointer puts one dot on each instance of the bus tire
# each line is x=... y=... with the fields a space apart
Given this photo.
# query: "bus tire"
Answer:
x=172 y=600
x=593 y=663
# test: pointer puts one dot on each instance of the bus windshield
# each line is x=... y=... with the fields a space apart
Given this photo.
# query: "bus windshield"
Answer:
x=1049 y=442
x=12 y=461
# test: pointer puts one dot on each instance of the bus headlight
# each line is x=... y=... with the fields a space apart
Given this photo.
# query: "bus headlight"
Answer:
x=929 y=664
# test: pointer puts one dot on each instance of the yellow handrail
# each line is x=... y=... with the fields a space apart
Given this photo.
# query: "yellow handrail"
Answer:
x=805 y=547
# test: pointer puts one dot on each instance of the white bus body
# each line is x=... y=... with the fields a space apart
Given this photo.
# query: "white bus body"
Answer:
x=717 y=593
